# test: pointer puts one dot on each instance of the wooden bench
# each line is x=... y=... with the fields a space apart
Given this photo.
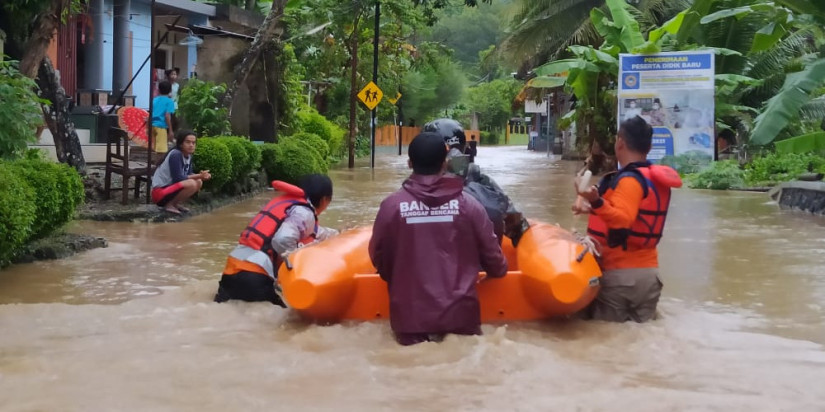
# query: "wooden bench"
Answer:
x=129 y=161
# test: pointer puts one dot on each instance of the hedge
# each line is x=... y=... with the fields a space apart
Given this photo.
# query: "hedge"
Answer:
x=291 y=159
x=17 y=212
x=490 y=138
x=269 y=152
x=37 y=197
x=315 y=123
x=315 y=141
x=49 y=204
x=213 y=155
x=71 y=184
x=241 y=164
x=254 y=152
x=310 y=155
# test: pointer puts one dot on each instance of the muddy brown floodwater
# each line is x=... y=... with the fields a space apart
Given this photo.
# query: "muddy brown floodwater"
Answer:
x=132 y=327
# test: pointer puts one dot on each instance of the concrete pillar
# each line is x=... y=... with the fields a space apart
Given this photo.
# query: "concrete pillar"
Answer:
x=192 y=50
x=93 y=76
x=122 y=53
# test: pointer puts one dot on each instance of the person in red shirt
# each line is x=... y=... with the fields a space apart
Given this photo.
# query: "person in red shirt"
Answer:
x=627 y=217
x=428 y=242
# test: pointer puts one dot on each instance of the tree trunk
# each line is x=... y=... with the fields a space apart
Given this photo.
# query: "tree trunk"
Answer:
x=266 y=33
x=251 y=5
x=38 y=43
x=57 y=118
x=353 y=95
x=274 y=84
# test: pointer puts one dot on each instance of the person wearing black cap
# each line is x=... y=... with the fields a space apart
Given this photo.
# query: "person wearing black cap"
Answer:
x=419 y=245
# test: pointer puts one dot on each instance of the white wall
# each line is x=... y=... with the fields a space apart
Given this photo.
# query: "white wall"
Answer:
x=92 y=152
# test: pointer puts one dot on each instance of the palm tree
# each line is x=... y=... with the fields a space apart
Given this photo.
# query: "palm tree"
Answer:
x=543 y=29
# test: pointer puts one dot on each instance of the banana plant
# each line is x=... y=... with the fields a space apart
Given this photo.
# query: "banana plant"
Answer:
x=592 y=73
x=784 y=108
x=773 y=41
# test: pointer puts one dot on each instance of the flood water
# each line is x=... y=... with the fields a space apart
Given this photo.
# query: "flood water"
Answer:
x=132 y=327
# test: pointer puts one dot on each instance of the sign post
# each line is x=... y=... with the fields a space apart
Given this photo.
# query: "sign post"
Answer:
x=674 y=93
x=375 y=77
x=396 y=123
x=371 y=95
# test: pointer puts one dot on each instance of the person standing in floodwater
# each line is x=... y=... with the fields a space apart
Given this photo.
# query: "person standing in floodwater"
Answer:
x=627 y=217
x=286 y=223
x=472 y=148
x=428 y=241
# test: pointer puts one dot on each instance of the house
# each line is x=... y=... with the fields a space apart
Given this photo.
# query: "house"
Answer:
x=101 y=54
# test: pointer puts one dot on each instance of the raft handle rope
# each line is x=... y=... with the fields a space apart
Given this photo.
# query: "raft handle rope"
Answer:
x=589 y=246
x=278 y=290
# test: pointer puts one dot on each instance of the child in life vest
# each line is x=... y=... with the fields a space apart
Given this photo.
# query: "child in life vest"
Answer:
x=627 y=217
x=286 y=223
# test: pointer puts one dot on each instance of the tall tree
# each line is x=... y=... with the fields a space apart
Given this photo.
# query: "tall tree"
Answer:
x=347 y=21
x=270 y=29
x=31 y=25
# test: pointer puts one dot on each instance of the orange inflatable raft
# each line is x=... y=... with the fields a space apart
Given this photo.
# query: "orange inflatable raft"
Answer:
x=550 y=274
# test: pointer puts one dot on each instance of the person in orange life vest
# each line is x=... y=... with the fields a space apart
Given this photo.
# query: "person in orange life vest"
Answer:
x=174 y=181
x=627 y=216
x=286 y=223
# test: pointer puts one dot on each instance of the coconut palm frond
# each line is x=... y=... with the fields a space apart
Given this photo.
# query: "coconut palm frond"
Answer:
x=543 y=27
x=776 y=59
x=813 y=111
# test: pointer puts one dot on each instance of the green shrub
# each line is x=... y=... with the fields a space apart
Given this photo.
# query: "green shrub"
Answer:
x=70 y=184
x=721 y=175
x=775 y=168
x=213 y=155
x=36 y=154
x=254 y=152
x=241 y=164
x=200 y=106
x=362 y=146
x=49 y=200
x=21 y=113
x=690 y=162
x=315 y=123
x=17 y=212
x=336 y=142
x=312 y=154
x=58 y=192
x=313 y=140
x=291 y=159
x=490 y=138
x=269 y=151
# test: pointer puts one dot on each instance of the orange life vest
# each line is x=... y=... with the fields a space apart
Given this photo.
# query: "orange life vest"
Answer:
x=258 y=234
x=646 y=230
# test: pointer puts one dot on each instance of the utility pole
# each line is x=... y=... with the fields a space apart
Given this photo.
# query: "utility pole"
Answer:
x=549 y=118
x=374 y=78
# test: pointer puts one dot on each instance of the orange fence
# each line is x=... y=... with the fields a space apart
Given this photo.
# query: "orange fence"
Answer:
x=388 y=135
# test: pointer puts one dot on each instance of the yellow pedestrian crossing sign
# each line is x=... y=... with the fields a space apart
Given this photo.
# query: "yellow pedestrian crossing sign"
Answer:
x=370 y=95
x=397 y=96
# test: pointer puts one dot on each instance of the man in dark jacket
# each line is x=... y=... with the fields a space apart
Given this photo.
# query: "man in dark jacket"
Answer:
x=507 y=220
x=427 y=243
